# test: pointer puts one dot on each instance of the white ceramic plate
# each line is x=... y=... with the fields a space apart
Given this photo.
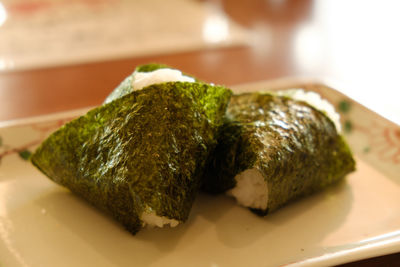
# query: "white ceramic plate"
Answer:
x=43 y=224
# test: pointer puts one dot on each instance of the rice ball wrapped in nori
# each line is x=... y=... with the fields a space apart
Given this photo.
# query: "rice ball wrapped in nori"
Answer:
x=274 y=149
x=140 y=157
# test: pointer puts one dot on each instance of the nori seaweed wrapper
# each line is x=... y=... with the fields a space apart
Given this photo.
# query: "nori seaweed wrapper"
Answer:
x=294 y=146
x=145 y=151
x=125 y=87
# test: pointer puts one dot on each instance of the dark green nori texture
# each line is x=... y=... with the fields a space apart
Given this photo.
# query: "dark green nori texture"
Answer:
x=295 y=147
x=125 y=87
x=143 y=151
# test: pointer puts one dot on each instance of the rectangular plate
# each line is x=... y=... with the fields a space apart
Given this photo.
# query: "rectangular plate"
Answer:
x=43 y=224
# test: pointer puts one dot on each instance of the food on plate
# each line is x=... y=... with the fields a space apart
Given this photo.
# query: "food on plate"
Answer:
x=277 y=147
x=140 y=157
x=161 y=135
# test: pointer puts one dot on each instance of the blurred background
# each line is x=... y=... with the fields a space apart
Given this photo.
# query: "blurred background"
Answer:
x=57 y=55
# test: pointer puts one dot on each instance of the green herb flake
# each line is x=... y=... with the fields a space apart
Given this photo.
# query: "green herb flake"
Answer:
x=25 y=154
x=366 y=149
x=295 y=147
x=347 y=126
x=151 y=67
x=145 y=151
x=344 y=106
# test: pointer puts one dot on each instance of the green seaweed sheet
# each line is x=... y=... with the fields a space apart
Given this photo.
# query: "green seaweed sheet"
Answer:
x=143 y=152
x=294 y=146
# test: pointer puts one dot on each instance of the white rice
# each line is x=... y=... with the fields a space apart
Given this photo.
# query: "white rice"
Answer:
x=150 y=218
x=143 y=79
x=251 y=189
x=315 y=100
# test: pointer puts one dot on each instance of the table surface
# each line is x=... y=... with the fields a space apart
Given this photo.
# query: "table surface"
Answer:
x=353 y=42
